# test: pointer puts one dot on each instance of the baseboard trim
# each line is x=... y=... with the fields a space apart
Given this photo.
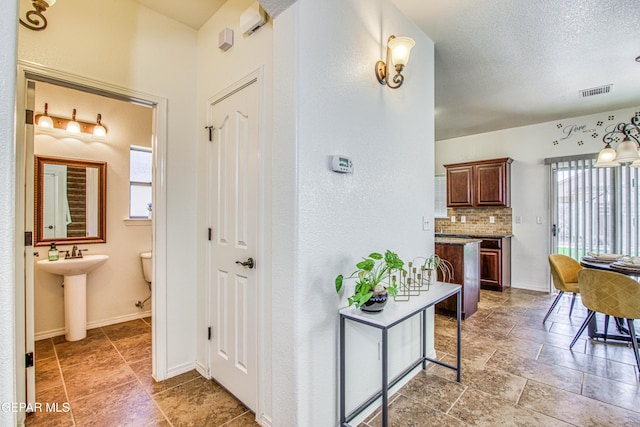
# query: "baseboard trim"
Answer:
x=96 y=324
x=530 y=287
x=264 y=421
x=202 y=370
x=181 y=369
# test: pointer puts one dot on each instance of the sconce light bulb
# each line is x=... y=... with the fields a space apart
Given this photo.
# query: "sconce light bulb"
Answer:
x=73 y=126
x=45 y=121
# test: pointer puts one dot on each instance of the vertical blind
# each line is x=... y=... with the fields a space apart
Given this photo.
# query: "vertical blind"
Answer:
x=593 y=209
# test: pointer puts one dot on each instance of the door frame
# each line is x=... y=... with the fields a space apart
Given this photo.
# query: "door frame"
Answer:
x=28 y=71
x=263 y=264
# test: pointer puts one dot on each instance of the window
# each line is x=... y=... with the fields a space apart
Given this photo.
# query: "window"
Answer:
x=140 y=190
x=440 y=191
x=593 y=209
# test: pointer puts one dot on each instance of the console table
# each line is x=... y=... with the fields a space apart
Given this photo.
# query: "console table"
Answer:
x=394 y=313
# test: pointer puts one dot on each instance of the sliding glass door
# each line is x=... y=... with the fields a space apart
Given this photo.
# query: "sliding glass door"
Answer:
x=592 y=209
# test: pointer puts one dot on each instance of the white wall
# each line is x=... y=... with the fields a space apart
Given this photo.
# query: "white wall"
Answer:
x=328 y=101
x=113 y=289
x=529 y=146
x=217 y=70
x=124 y=44
x=10 y=349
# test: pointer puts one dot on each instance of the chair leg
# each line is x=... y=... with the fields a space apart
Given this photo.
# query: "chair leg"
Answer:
x=634 y=341
x=553 y=305
x=606 y=326
x=573 y=301
x=582 y=328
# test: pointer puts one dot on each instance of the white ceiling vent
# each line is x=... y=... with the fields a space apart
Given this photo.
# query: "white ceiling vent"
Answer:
x=600 y=90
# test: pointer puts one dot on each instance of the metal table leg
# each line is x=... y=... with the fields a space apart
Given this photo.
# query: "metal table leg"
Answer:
x=342 y=374
x=385 y=379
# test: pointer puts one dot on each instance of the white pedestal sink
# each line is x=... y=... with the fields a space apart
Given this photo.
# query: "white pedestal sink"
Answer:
x=75 y=290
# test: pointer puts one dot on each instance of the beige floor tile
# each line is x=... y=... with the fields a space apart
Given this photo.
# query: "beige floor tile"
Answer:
x=557 y=376
x=406 y=412
x=537 y=333
x=142 y=370
x=103 y=374
x=44 y=349
x=125 y=405
x=575 y=409
x=610 y=350
x=58 y=414
x=47 y=374
x=84 y=352
x=126 y=329
x=91 y=333
x=433 y=391
x=199 y=402
x=134 y=348
x=614 y=392
x=476 y=408
x=589 y=364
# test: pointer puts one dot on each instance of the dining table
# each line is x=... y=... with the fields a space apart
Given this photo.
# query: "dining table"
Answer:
x=623 y=332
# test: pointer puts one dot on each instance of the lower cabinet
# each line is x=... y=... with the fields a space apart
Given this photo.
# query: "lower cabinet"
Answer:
x=495 y=264
x=464 y=257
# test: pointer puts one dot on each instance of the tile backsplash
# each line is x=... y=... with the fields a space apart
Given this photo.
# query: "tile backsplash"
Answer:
x=476 y=221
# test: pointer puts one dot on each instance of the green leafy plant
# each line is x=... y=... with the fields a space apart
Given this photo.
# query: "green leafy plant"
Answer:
x=371 y=274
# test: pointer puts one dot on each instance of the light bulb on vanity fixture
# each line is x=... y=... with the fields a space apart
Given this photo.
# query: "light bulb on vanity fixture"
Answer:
x=627 y=151
x=99 y=130
x=44 y=120
x=73 y=126
x=398 y=51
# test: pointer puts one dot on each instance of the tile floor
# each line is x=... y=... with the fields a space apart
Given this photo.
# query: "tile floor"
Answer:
x=106 y=381
x=516 y=372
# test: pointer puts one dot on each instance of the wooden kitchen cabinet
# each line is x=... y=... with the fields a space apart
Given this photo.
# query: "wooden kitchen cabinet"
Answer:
x=495 y=263
x=479 y=184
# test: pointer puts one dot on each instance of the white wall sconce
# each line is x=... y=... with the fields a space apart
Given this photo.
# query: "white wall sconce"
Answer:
x=398 y=51
x=627 y=151
x=46 y=122
x=35 y=18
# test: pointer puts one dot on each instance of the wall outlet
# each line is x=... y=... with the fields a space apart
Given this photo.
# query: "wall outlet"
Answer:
x=492 y=220
x=518 y=219
x=538 y=220
x=463 y=218
x=453 y=218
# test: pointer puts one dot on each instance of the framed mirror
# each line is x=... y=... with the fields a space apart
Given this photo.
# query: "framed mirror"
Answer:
x=70 y=205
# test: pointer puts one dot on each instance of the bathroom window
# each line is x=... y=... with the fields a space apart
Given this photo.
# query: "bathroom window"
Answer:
x=140 y=173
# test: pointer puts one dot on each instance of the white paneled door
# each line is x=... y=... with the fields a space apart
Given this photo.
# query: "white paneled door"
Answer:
x=234 y=214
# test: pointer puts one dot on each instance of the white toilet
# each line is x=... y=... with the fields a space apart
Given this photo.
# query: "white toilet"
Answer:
x=147 y=272
x=147 y=266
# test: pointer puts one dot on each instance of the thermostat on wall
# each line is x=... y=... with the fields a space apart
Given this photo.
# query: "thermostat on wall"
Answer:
x=341 y=164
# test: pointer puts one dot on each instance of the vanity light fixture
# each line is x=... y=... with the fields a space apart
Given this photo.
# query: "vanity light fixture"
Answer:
x=44 y=120
x=47 y=121
x=35 y=18
x=627 y=150
x=398 y=51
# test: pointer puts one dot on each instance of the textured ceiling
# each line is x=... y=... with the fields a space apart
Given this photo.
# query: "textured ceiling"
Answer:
x=507 y=63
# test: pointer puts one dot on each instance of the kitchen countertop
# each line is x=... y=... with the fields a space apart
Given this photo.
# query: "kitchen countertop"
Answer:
x=472 y=236
x=456 y=240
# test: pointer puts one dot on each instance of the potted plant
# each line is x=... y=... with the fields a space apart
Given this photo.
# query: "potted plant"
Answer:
x=375 y=280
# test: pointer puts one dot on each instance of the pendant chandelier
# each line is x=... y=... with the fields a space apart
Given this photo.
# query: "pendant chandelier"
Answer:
x=627 y=151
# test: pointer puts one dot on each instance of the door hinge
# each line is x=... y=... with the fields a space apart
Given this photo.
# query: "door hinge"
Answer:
x=28 y=360
x=209 y=333
x=210 y=129
x=28 y=238
x=28 y=117
x=210 y=233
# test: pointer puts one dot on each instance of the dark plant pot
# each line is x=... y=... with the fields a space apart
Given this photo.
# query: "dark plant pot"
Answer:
x=376 y=303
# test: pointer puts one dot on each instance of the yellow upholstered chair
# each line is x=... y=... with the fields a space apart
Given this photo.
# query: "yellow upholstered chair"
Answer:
x=564 y=272
x=613 y=294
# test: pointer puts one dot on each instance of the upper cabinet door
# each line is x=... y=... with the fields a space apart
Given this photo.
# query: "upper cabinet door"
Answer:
x=460 y=186
x=479 y=184
x=492 y=184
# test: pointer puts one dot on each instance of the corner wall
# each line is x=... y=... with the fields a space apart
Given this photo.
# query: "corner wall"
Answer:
x=330 y=102
x=529 y=146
